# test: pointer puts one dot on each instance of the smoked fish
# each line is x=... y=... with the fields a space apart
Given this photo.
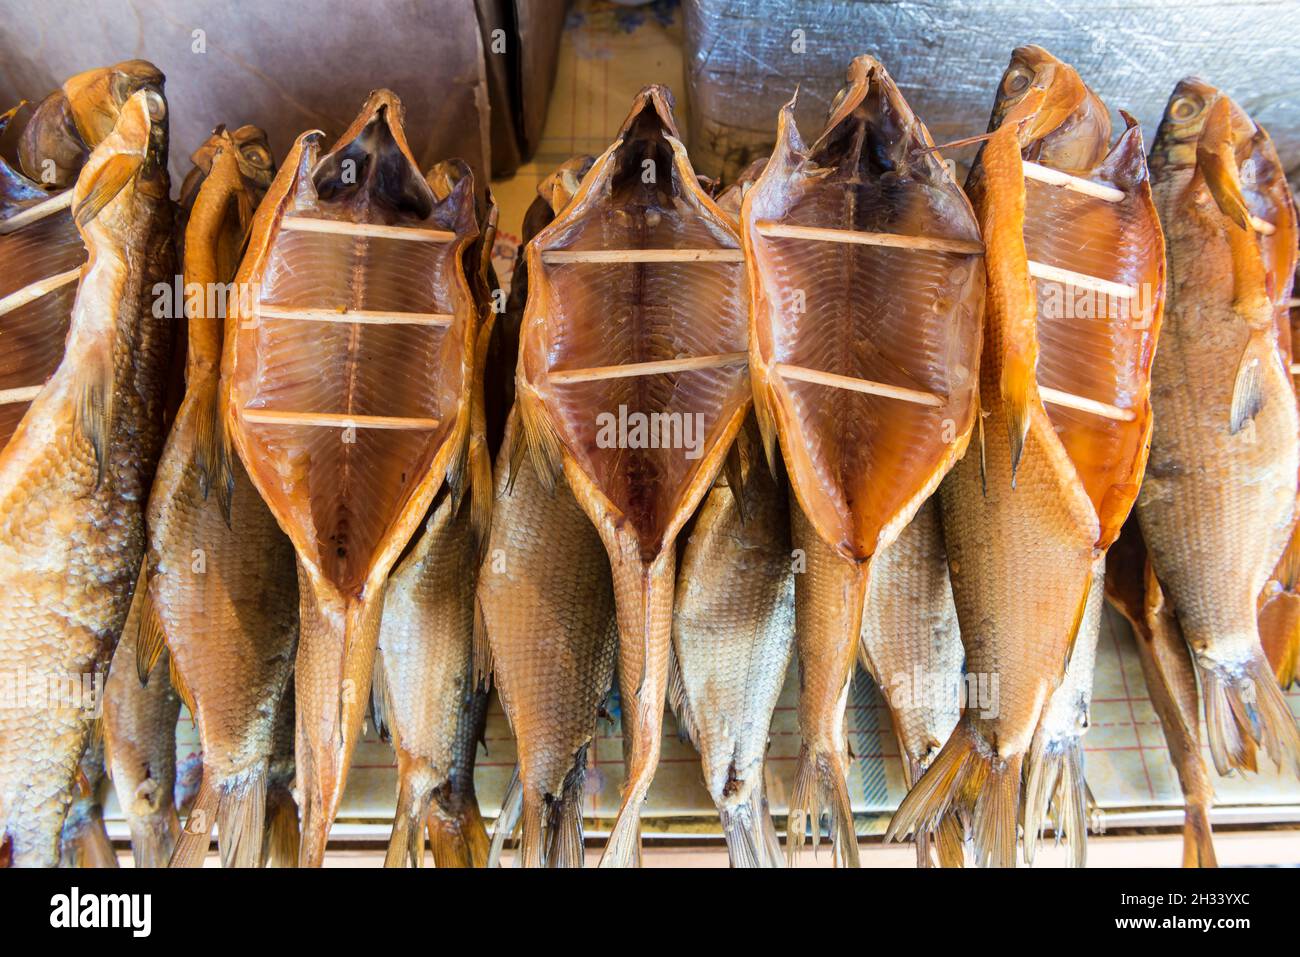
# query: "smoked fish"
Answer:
x=866 y=296
x=1218 y=504
x=84 y=841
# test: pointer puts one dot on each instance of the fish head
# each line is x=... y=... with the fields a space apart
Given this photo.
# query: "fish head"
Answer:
x=1044 y=96
x=256 y=161
x=126 y=161
x=1181 y=125
x=96 y=97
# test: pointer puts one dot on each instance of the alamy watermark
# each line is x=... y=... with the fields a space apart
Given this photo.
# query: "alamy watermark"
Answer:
x=34 y=691
x=652 y=430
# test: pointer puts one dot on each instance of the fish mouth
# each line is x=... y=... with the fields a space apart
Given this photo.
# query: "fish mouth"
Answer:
x=1182 y=123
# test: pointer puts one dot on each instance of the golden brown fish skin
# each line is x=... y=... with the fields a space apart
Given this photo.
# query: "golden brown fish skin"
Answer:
x=549 y=625
x=282 y=840
x=911 y=646
x=222 y=590
x=457 y=835
x=733 y=635
x=140 y=745
x=347 y=539
x=1132 y=589
x=1218 y=502
x=84 y=841
x=75 y=474
x=425 y=667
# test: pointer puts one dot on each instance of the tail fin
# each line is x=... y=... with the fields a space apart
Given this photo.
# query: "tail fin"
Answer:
x=457 y=834
x=1245 y=708
x=406 y=844
x=822 y=782
x=1198 y=840
x=950 y=842
x=153 y=838
x=92 y=846
x=511 y=807
x=745 y=827
x=241 y=816
x=1056 y=786
x=192 y=846
x=280 y=845
x=968 y=777
x=564 y=844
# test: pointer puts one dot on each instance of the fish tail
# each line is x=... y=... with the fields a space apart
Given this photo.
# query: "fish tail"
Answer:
x=460 y=839
x=1198 y=838
x=280 y=846
x=744 y=830
x=92 y=846
x=821 y=782
x=153 y=838
x=950 y=842
x=532 y=840
x=506 y=822
x=1245 y=708
x=771 y=840
x=1056 y=786
x=565 y=841
x=241 y=818
x=969 y=777
x=192 y=845
x=414 y=793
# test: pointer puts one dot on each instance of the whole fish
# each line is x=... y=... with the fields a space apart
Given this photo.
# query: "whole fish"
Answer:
x=1218 y=504
x=347 y=383
x=635 y=322
x=457 y=835
x=549 y=626
x=75 y=472
x=1075 y=293
x=425 y=667
x=864 y=335
x=140 y=745
x=733 y=635
x=1132 y=588
x=84 y=841
x=911 y=647
x=222 y=595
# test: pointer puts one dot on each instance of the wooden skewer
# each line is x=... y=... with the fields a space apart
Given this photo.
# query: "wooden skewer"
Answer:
x=1292 y=303
x=1071 y=401
x=25 y=394
x=32 y=214
x=1054 y=177
x=1115 y=290
x=363 y=316
x=558 y=256
x=895 y=240
x=688 y=364
x=1295 y=368
x=802 y=374
x=306 y=224
x=37 y=289
x=337 y=420
x=1262 y=226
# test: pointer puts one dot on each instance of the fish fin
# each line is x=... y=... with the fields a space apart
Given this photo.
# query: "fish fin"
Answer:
x=1248 y=384
x=564 y=845
x=623 y=849
x=109 y=180
x=733 y=469
x=766 y=430
x=152 y=840
x=181 y=688
x=1216 y=160
x=540 y=437
x=482 y=648
x=93 y=414
x=481 y=493
x=1056 y=784
x=504 y=826
x=280 y=845
x=950 y=842
x=241 y=817
x=458 y=840
x=679 y=702
x=771 y=840
x=92 y=847
x=406 y=843
x=744 y=831
x=192 y=846
x=1245 y=708
x=532 y=838
x=821 y=782
x=984 y=470
x=212 y=450
x=381 y=703
x=1198 y=839
x=968 y=777
x=150 y=642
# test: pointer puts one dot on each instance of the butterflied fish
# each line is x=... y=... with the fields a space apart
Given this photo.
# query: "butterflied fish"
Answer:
x=865 y=303
x=348 y=385
x=222 y=593
x=911 y=647
x=733 y=635
x=632 y=380
x=547 y=602
x=1218 y=504
x=424 y=667
x=1132 y=588
x=84 y=841
x=75 y=473
x=1074 y=261
x=140 y=745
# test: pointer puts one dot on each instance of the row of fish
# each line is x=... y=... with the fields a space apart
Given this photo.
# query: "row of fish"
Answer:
x=843 y=411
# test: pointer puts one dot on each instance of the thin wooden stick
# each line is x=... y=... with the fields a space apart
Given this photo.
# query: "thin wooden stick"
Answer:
x=1071 y=401
x=362 y=316
x=688 y=364
x=1295 y=368
x=420 y=234
x=1262 y=226
x=1292 y=303
x=802 y=374
x=1115 y=290
x=25 y=394
x=895 y=240
x=336 y=420
x=561 y=256
x=1076 y=184
x=32 y=214
x=41 y=287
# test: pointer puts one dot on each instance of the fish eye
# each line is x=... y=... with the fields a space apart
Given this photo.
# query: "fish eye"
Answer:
x=1186 y=107
x=257 y=155
x=1017 y=80
x=156 y=105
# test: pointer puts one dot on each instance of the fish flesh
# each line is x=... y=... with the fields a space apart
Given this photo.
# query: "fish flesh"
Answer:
x=911 y=647
x=140 y=745
x=457 y=835
x=635 y=324
x=1219 y=501
x=84 y=841
x=75 y=472
x=733 y=635
x=1133 y=590
x=864 y=334
x=424 y=667
x=1075 y=295
x=550 y=626
x=347 y=392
